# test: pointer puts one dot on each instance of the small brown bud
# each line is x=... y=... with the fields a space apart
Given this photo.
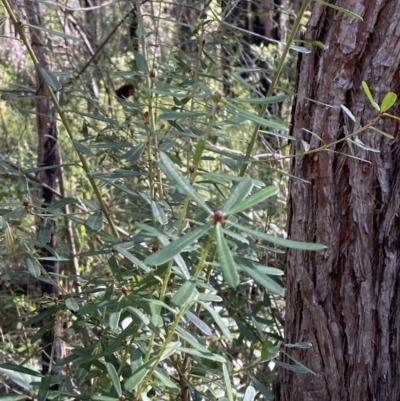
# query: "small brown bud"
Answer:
x=125 y=238
x=124 y=290
x=154 y=248
x=121 y=397
x=152 y=73
x=218 y=216
x=191 y=169
x=192 y=224
x=26 y=202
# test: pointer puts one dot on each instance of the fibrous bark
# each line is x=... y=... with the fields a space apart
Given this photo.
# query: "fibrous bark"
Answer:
x=345 y=300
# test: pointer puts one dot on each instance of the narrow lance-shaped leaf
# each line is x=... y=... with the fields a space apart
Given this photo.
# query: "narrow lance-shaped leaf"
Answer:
x=341 y=9
x=228 y=266
x=176 y=247
x=228 y=384
x=239 y=192
x=254 y=199
x=218 y=321
x=112 y=372
x=170 y=170
x=304 y=246
x=388 y=101
x=369 y=95
x=186 y=293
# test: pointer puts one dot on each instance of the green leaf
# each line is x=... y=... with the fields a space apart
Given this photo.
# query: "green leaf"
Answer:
x=158 y=213
x=135 y=153
x=176 y=247
x=219 y=321
x=115 y=269
x=52 y=32
x=33 y=266
x=298 y=367
x=82 y=149
x=369 y=95
x=261 y=278
x=44 y=388
x=343 y=10
x=300 y=49
x=173 y=173
x=357 y=141
x=239 y=192
x=255 y=118
x=132 y=258
x=206 y=355
x=388 y=101
x=382 y=133
x=114 y=378
x=304 y=246
x=303 y=345
x=254 y=199
x=228 y=266
x=228 y=384
x=202 y=326
x=113 y=320
x=95 y=221
x=71 y=304
x=50 y=78
x=261 y=100
x=139 y=375
x=45 y=231
x=142 y=62
x=187 y=292
x=165 y=380
x=139 y=314
x=175 y=115
x=14 y=397
x=157 y=320
x=261 y=388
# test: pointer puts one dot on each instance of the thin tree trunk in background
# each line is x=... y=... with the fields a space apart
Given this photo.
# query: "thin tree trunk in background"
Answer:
x=346 y=300
x=48 y=155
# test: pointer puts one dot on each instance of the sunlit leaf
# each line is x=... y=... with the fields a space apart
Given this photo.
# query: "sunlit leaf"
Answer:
x=388 y=101
x=369 y=95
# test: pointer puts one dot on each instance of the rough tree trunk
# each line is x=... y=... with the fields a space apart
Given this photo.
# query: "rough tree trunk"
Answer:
x=346 y=300
x=48 y=155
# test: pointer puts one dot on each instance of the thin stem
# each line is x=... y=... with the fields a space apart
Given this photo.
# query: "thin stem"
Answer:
x=274 y=82
x=60 y=111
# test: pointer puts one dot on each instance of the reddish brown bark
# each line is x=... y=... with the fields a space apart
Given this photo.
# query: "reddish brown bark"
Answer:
x=345 y=300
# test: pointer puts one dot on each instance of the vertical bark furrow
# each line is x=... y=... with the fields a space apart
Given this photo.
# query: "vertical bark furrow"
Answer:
x=344 y=299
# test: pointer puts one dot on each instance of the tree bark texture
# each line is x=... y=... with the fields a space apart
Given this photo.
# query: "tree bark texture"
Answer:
x=48 y=156
x=345 y=300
